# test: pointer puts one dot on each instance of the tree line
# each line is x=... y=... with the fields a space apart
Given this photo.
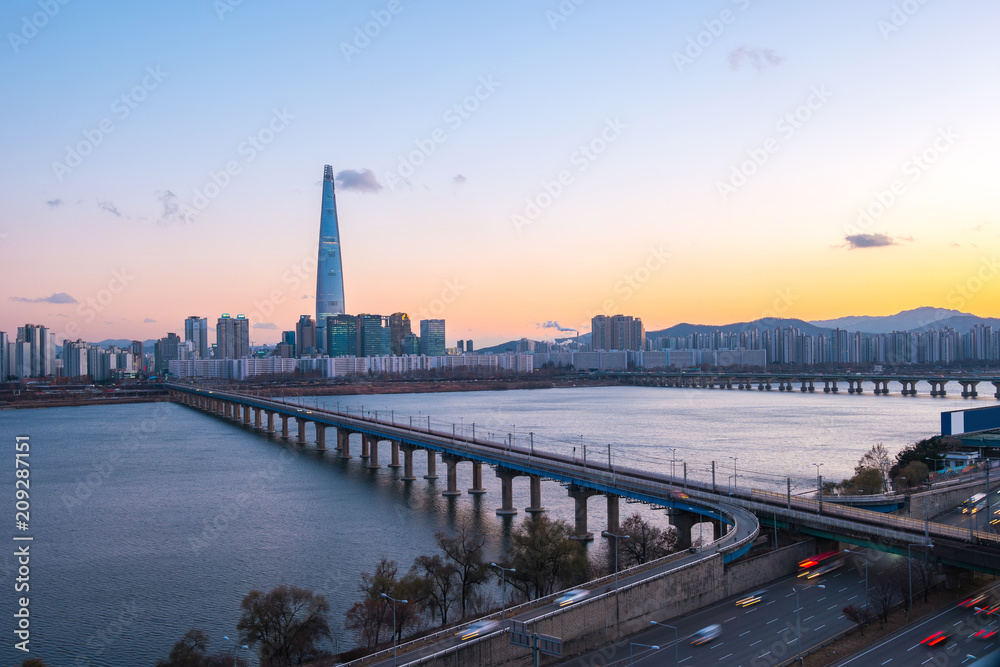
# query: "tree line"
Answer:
x=876 y=471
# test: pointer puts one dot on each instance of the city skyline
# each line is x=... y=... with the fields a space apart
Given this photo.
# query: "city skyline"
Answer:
x=703 y=164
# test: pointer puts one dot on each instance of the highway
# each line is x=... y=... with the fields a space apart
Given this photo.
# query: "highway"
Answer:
x=961 y=648
x=762 y=635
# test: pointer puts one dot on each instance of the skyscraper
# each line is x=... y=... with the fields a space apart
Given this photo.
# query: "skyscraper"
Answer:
x=399 y=328
x=342 y=336
x=306 y=342
x=329 y=268
x=232 y=336
x=432 y=338
x=196 y=331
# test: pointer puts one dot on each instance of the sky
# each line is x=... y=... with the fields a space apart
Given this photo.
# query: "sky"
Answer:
x=504 y=166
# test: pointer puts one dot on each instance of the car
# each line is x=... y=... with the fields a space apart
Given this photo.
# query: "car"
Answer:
x=751 y=599
x=706 y=634
x=974 y=602
x=477 y=629
x=985 y=633
x=569 y=597
x=935 y=639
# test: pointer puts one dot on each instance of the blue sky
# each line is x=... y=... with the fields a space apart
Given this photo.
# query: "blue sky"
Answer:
x=699 y=198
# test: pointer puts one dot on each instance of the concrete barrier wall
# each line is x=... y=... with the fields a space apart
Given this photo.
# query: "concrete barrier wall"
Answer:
x=606 y=619
x=936 y=502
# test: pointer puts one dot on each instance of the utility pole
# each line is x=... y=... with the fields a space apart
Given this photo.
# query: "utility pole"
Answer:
x=789 y=496
x=713 y=477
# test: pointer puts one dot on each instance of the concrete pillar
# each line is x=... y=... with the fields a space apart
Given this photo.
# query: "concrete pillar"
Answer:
x=344 y=443
x=996 y=384
x=477 y=479
x=683 y=522
x=580 y=495
x=320 y=436
x=431 y=465
x=613 y=524
x=302 y=430
x=372 y=452
x=270 y=421
x=407 y=462
x=536 y=496
x=246 y=414
x=284 y=426
x=395 y=455
x=969 y=388
x=365 y=450
x=452 y=463
x=257 y=418
x=506 y=478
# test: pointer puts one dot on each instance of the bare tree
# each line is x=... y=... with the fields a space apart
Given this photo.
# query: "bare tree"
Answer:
x=924 y=572
x=437 y=579
x=645 y=542
x=371 y=619
x=883 y=593
x=860 y=616
x=544 y=555
x=285 y=623
x=465 y=549
x=876 y=458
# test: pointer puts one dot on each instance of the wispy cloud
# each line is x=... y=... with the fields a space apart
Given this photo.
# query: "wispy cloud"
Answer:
x=364 y=180
x=459 y=179
x=58 y=297
x=148 y=320
x=759 y=58
x=868 y=241
x=265 y=325
x=110 y=207
x=52 y=203
x=171 y=207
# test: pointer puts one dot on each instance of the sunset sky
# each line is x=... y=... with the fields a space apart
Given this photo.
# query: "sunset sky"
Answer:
x=501 y=165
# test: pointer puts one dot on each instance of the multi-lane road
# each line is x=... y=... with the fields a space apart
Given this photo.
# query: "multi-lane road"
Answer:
x=960 y=646
x=762 y=635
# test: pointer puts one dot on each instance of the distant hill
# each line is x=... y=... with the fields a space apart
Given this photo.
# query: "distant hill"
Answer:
x=916 y=319
x=686 y=329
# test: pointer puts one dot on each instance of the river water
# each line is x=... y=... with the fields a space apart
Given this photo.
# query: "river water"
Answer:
x=150 y=519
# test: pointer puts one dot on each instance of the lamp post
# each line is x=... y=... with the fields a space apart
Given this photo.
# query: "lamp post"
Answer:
x=732 y=483
x=617 y=537
x=861 y=553
x=394 y=601
x=243 y=646
x=798 y=619
x=673 y=459
x=819 y=487
x=631 y=644
x=503 y=594
x=676 y=639
x=734 y=458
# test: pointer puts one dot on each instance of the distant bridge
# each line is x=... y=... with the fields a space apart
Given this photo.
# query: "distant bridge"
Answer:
x=686 y=501
x=830 y=383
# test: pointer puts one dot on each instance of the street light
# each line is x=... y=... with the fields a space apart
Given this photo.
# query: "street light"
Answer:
x=676 y=640
x=631 y=644
x=734 y=458
x=798 y=618
x=503 y=595
x=732 y=482
x=624 y=537
x=394 y=601
x=861 y=553
x=243 y=646
x=673 y=459
x=819 y=487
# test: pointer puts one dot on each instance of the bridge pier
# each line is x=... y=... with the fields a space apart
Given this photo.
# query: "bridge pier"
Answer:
x=506 y=478
x=270 y=421
x=477 y=479
x=284 y=426
x=580 y=495
x=614 y=525
x=969 y=388
x=257 y=413
x=246 y=415
x=344 y=443
x=452 y=463
x=937 y=387
x=996 y=384
x=407 y=462
x=682 y=522
x=536 y=495
x=830 y=386
x=372 y=452
x=394 y=444
x=431 y=465
x=302 y=430
x=320 y=436
x=365 y=451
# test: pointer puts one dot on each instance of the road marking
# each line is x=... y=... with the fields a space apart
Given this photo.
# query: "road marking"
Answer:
x=686 y=659
x=771 y=621
x=887 y=661
x=813 y=616
x=833 y=607
x=790 y=594
x=821 y=599
x=842 y=589
x=725 y=656
x=757 y=642
x=714 y=646
x=729 y=619
x=821 y=627
x=851 y=598
x=912 y=647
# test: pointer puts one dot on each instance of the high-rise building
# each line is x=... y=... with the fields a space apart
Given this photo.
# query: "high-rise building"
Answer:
x=399 y=327
x=329 y=267
x=4 y=367
x=74 y=358
x=165 y=350
x=374 y=336
x=618 y=332
x=342 y=336
x=410 y=344
x=232 y=335
x=34 y=352
x=196 y=331
x=305 y=337
x=138 y=356
x=432 y=338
